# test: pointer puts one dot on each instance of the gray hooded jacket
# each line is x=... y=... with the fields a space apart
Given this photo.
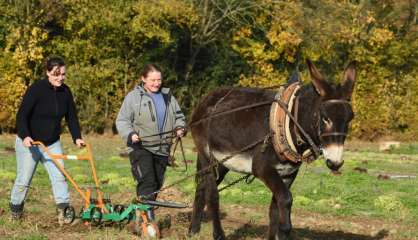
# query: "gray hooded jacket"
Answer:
x=138 y=115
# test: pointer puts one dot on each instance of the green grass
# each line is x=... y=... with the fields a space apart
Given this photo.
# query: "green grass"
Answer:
x=411 y=149
x=315 y=190
x=349 y=194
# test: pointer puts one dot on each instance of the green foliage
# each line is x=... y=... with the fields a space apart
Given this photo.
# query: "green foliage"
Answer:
x=333 y=33
x=204 y=44
x=22 y=44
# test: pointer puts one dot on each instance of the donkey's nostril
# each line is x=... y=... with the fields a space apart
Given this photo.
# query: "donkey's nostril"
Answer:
x=331 y=165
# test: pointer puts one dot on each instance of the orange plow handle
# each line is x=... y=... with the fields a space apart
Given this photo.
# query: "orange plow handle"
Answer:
x=88 y=156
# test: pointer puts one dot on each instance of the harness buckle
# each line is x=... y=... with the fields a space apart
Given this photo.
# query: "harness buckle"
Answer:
x=266 y=142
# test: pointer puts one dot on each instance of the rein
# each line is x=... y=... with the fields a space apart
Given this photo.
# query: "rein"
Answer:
x=281 y=117
x=160 y=134
x=283 y=106
x=214 y=114
x=231 y=111
x=172 y=159
x=315 y=148
x=210 y=166
x=264 y=140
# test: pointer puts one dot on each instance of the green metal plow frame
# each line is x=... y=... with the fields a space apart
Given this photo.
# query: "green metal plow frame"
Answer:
x=127 y=213
x=116 y=213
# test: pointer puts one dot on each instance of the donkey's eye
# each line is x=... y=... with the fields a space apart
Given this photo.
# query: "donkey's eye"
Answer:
x=327 y=121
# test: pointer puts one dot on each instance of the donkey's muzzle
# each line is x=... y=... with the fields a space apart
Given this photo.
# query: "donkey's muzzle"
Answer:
x=333 y=165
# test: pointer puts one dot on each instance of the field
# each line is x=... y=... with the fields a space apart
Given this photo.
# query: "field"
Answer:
x=375 y=197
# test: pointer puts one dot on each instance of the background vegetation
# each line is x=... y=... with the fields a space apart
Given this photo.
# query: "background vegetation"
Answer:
x=202 y=44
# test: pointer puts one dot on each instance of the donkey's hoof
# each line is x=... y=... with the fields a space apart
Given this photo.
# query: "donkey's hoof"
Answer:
x=285 y=228
x=280 y=234
x=219 y=236
x=284 y=235
x=193 y=231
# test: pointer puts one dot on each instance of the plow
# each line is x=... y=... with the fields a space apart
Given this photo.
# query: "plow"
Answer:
x=98 y=211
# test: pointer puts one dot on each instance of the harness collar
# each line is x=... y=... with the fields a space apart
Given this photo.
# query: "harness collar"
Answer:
x=279 y=122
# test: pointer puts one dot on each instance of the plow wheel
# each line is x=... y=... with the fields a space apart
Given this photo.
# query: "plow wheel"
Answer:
x=120 y=209
x=69 y=215
x=96 y=216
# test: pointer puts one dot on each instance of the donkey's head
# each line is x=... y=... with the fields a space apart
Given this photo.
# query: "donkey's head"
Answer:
x=335 y=113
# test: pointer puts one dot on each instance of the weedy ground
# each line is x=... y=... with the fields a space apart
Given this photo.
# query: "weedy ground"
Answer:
x=375 y=197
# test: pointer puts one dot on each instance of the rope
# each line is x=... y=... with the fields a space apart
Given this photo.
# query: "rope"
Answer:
x=213 y=164
x=178 y=140
x=212 y=159
x=160 y=134
x=248 y=147
x=246 y=177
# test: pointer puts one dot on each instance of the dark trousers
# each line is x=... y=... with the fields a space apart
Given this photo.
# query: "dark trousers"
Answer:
x=148 y=169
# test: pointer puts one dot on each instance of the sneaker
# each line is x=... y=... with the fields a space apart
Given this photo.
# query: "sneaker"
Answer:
x=60 y=213
x=16 y=212
x=60 y=216
x=16 y=216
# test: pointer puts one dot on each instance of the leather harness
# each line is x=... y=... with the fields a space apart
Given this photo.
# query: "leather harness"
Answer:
x=283 y=143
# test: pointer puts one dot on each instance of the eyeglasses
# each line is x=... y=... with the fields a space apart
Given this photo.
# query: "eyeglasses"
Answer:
x=57 y=73
x=153 y=80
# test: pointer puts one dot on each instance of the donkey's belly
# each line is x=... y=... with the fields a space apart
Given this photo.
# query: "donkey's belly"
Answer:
x=286 y=169
x=238 y=163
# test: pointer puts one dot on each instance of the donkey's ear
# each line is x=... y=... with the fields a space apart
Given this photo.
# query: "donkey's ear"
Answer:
x=349 y=79
x=321 y=86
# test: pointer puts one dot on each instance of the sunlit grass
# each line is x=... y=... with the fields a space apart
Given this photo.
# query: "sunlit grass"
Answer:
x=351 y=194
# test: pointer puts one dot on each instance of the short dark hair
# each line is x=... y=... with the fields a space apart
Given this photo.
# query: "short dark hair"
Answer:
x=151 y=67
x=53 y=61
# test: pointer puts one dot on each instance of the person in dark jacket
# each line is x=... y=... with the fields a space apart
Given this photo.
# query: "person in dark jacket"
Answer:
x=148 y=116
x=45 y=103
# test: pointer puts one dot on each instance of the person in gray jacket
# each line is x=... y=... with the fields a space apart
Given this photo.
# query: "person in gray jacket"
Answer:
x=147 y=119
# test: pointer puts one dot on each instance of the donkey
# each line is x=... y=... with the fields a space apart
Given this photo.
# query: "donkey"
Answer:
x=230 y=136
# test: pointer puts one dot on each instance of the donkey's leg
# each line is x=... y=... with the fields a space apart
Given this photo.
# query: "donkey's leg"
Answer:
x=280 y=209
x=281 y=201
x=199 y=198
x=274 y=219
x=212 y=201
x=275 y=215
